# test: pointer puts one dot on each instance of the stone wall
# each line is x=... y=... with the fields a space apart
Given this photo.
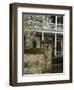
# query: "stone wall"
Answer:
x=38 y=63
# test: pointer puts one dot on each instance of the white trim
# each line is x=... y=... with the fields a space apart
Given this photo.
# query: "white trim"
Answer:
x=45 y=77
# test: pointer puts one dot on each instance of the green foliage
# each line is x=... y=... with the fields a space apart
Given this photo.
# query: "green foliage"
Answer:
x=36 y=21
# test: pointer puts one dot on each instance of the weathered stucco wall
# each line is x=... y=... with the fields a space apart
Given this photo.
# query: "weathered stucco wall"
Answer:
x=38 y=63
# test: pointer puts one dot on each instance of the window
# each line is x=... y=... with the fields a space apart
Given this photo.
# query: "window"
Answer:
x=60 y=23
x=32 y=40
x=60 y=19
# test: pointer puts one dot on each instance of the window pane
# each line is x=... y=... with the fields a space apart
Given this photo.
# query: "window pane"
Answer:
x=50 y=38
x=53 y=19
x=60 y=27
x=60 y=19
x=59 y=44
x=32 y=40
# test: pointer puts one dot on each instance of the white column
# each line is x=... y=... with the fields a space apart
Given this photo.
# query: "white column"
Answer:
x=42 y=36
x=55 y=36
x=55 y=44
